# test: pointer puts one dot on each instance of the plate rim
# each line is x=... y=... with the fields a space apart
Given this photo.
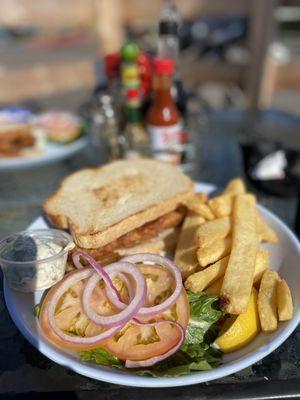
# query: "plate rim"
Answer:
x=18 y=163
x=112 y=376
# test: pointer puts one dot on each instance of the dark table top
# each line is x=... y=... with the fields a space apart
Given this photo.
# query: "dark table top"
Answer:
x=24 y=370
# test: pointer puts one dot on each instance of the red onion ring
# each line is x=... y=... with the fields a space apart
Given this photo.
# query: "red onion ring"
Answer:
x=150 y=311
x=76 y=260
x=98 y=268
x=70 y=281
x=111 y=295
x=151 y=361
x=131 y=309
x=137 y=299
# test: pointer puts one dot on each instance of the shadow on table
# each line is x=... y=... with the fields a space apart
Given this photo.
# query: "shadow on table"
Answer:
x=236 y=391
x=41 y=396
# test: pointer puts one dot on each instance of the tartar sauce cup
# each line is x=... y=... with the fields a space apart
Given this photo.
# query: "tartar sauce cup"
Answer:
x=35 y=260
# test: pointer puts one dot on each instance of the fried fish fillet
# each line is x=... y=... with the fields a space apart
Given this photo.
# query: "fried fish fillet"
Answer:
x=145 y=233
x=14 y=138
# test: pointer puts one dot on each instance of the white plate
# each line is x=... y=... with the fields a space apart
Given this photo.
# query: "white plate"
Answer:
x=285 y=257
x=53 y=152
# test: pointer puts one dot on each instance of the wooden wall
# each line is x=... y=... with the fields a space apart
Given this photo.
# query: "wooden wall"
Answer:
x=105 y=20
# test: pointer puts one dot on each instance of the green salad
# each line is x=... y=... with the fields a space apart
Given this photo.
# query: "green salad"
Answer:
x=195 y=354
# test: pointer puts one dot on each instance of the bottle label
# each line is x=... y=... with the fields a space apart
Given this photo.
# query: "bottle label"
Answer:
x=165 y=137
x=164 y=141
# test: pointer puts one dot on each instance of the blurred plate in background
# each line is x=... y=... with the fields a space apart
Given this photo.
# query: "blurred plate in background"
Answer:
x=53 y=152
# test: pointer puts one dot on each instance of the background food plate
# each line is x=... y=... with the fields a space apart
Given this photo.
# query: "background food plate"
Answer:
x=53 y=152
x=284 y=256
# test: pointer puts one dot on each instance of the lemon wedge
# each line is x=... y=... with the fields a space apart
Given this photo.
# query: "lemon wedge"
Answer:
x=238 y=331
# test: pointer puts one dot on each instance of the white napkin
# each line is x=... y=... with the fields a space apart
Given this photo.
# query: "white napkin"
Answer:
x=270 y=167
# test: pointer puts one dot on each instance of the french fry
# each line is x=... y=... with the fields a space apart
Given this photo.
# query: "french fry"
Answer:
x=215 y=288
x=205 y=211
x=209 y=255
x=235 y=187
x=238 y=279
x=202 y=197
x=185 y=254
x=211 y=231
x=202 y=279
x=265 y=232
x=261 y=264
x=267 y=304
x=205 y=278
x=284 y=301
x=221 y=205
x=194 y=204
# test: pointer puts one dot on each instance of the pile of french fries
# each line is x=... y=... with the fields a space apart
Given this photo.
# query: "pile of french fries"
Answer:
x=219 y=252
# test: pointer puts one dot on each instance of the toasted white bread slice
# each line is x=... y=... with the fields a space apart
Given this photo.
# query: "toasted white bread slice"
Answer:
x=99 y=205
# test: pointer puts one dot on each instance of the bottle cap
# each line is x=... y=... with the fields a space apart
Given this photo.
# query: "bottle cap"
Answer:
x=163 y=66
x=129 y=52
x=133 y=94
x=112 y=65
x=168 y=27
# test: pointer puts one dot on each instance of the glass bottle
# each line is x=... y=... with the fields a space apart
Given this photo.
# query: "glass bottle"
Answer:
x=112 y=63
x=168 y=43
x=105 y=138
x=130 y=74
x=136 y=137
x=163 y=117
x=168 y=47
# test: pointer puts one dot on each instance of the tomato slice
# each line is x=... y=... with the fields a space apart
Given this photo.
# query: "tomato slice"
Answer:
x=70 y=316
x=133 y=342
x=136 y=342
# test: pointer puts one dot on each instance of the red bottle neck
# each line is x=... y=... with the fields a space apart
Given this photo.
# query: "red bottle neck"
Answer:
x=162 y=85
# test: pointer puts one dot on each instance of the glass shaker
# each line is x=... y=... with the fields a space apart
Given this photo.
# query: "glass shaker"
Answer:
x=105 y=138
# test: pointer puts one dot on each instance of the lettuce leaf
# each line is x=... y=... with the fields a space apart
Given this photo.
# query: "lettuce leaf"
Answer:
x=101 y=356
x=204 y=315
x=196 y=353
x=37 y=310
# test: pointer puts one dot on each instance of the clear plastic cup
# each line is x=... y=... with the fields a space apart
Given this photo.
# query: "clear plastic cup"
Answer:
x=51 y=246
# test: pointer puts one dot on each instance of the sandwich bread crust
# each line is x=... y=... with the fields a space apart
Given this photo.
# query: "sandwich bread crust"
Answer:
x=100 y=205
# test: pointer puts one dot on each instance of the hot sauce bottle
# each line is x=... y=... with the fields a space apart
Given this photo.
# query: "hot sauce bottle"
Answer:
x=163 y=117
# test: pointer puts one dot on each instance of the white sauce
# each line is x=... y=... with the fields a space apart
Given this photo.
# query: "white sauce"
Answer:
x=38 y=276
x=46 y=249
